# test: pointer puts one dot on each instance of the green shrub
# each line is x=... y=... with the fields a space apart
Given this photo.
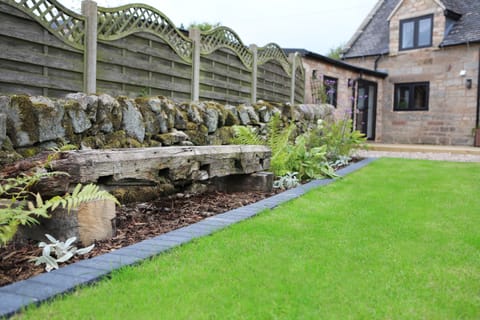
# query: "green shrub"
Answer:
x=338 y=137
x=288 y=154
x=279 y=140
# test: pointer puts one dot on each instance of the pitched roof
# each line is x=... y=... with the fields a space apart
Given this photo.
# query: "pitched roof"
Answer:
x=467 y=28
x=373 y=36
x=337 y=63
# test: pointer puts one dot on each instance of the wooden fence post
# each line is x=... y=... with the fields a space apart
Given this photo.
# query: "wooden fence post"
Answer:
x=194 y=34
x=253 y=94
x=89 y=10
x=293 y=60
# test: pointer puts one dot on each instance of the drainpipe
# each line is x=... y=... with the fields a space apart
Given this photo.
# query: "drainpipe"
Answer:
x=375 y=64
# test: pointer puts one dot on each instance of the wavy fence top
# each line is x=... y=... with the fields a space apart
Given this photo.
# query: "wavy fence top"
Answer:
x=65 y=24
x=116 y=23
x=273 y=52
x=223 y=37
x=119 y=22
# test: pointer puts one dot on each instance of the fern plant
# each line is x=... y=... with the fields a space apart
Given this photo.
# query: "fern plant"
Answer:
x=338 y=136
x=279 y=140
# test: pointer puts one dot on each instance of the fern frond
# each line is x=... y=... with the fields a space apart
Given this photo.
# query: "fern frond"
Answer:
x=81 y=194
x=246 y=135
x=278 y=136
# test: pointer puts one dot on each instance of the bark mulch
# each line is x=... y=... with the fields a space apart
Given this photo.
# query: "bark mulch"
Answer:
x=133 y=223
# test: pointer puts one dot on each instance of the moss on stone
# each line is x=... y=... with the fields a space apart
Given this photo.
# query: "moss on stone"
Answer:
x=94 y=142
x=27 y=115
x=230 y=119
x=8 y=154
x=198 y=137
x=225 y=135
x=29 y=152
x=142 y=194
x=191 y=126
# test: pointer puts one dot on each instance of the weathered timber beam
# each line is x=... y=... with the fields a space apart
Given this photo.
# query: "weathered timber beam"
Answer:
x=154 y=165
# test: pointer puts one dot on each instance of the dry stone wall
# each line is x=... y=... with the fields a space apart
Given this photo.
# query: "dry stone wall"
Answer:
x=30 y=124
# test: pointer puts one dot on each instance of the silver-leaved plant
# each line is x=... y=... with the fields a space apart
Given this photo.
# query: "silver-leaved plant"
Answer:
x=57 y=252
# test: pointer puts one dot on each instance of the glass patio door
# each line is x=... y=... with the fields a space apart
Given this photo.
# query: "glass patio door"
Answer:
x=366 y=108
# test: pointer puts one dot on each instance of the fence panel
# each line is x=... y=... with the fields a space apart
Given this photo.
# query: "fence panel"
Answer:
x=142 y=64
x=299 y=82
x=33 y=59
x=224 y=78
x=141 y=52
x=273 y=75
x=225 y=67
x=273 y=83
x=138 y=51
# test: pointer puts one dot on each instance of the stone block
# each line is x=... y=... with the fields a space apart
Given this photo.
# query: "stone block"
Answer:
x=243 y=115
x=3 y=128
x=33 y=120
x=132 y=120
x=89 y=222
x=260 y=181
x=82 y=110
x=109 y=115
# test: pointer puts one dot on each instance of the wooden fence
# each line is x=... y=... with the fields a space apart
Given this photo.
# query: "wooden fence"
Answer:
x=47 y=49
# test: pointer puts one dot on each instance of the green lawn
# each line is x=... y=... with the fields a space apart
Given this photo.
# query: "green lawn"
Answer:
x=399 y=239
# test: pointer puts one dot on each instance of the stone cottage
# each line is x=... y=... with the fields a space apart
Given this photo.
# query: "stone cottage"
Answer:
x=344 y=86
x=430 y=50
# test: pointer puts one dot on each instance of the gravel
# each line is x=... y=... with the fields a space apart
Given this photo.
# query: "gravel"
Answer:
x=456 y=157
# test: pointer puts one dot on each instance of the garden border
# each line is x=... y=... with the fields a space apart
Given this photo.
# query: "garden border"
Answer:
x=35 y=290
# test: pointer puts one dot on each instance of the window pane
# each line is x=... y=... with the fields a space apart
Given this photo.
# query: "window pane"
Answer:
x=407 y=34
x=330 y=85
x=403 y=97
x=420 y=97
x=424 y=32
x=361 y=99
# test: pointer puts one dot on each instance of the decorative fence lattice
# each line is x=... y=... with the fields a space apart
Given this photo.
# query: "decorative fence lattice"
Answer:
x=42 y=48
x=116 y=23
x=136 y=51
x=65 y=24
x=223 y=37
x=273 y=52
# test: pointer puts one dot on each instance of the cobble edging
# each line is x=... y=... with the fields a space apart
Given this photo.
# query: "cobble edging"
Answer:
x=43 y=287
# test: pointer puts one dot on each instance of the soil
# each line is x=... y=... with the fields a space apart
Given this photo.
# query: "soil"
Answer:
x=133 y=223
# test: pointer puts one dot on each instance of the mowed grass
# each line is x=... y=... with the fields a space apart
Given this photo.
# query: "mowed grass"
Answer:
x=399 y=239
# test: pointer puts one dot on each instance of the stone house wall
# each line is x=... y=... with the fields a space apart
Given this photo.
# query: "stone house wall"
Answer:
x=346 y=88
x=452 y=107
x=420 y=8
x=345 y=85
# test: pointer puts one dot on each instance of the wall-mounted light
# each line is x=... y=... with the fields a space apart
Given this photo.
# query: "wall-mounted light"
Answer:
x=463 y=73
x=468 y=83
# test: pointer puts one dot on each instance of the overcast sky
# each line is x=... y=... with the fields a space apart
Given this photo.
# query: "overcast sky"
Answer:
x=315 y=25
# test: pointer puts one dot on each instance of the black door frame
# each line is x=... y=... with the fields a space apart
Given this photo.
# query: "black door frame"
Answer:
x=365 y=116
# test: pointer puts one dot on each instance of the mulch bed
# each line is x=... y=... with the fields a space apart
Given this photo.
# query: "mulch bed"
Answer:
x=134 y=223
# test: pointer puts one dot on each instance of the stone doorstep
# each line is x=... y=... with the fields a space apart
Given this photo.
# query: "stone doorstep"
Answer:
x=423 y=148
x=46 y=286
